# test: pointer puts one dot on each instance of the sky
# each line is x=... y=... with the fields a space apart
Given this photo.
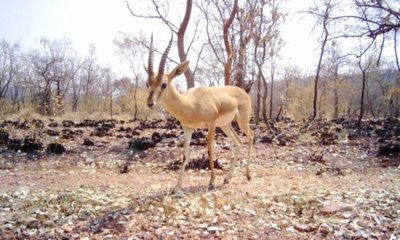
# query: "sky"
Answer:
x=99 y=22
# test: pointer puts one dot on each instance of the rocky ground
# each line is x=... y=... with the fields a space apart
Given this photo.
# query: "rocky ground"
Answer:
x=113 y=180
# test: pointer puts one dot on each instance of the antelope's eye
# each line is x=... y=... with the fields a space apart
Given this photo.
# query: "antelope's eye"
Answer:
x=163 y=86
x=147 y=85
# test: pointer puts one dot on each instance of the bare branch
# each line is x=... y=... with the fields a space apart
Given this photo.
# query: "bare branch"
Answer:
x=159 y=16
x=395 y=49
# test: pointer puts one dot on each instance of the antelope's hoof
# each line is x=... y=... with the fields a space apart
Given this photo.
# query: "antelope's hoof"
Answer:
x=226 y=181
x=211 y=187
x=248 y=177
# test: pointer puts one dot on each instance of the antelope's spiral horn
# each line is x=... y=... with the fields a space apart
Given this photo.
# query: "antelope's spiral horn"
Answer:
x=151 y=57
x=164 y=60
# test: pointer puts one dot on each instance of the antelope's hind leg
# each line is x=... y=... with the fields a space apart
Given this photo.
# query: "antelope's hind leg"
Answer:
x=210 y=139
x=228 y=130
x=243 y=121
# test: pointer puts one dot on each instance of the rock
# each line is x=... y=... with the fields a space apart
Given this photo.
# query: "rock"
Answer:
x=108 y=125
x=53 y=124
x=265 y=139
x=15 y=144
x=281 y=142
x=196 y=142
x=100 y=132
x=22 y=125
x=38 y=123
x=52 y=132
x=56 y=148
x=124 y=169
x=26 y=145
x=305 y=227
x=339 y=120
x=156 y=137
x=136 y=131
x=4 y=137
x=328 y=138
x=170 y=134
x=141 y=144
x=214 y=229
x=335 y=207
x=68 y=123
x=352 y=135
x=389 y=149
x=31 y=144
x=86 y=123
x=87 y=142
x=34 y=224
x=226 y=147
x=198 y=134
x=171 y=123
x=67 y=133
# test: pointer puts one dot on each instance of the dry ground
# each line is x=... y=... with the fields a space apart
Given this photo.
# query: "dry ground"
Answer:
x=303 y=187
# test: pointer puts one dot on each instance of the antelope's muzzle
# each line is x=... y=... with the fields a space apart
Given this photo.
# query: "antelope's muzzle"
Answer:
x=150 y=101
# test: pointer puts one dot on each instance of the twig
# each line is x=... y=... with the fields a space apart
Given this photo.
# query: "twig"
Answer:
x=277 y=136
x=319 y=229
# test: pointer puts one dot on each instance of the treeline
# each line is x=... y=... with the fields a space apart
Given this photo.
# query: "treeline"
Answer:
x=339 y=95
x=54 y=78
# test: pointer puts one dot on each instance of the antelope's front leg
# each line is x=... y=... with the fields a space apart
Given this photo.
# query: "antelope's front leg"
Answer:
x=187 y=136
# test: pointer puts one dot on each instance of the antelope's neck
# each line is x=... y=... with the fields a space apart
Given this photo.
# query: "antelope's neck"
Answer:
x=175 y=103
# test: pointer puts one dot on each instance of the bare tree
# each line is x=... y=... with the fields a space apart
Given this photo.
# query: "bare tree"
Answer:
x=89 y=68
x=378 y=21
x=131 y=50
x=89 y=74
x=106 y=90
x=267 y=43
x=260 y=60
x=52 y=74
x=384 y=91
x=323 y=15
x=334 y=61
x=9 y=66
x=219 y=16
x=275 y=46
x=228 y=46
x=365 y=60
x=246 y=18
x=291 y=77
x=75 y=75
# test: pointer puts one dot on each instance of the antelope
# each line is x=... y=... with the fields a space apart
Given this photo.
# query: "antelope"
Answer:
x=198 y=108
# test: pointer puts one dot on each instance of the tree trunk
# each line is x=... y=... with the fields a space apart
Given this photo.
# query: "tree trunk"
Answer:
x=258 y=99
x=135 y=98
x=228 y=45
x=336 y=97
x=364 y=80
x=239 y=77
x=264 y=100
x=321 y=99
x=324 y=41
x=271 y=103
x=314 y=114
x=181 y=46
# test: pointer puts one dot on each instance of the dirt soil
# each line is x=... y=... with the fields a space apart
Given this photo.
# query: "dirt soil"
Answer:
x=113 y=180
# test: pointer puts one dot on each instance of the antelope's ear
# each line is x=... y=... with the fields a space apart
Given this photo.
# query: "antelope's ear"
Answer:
x=181 y=68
